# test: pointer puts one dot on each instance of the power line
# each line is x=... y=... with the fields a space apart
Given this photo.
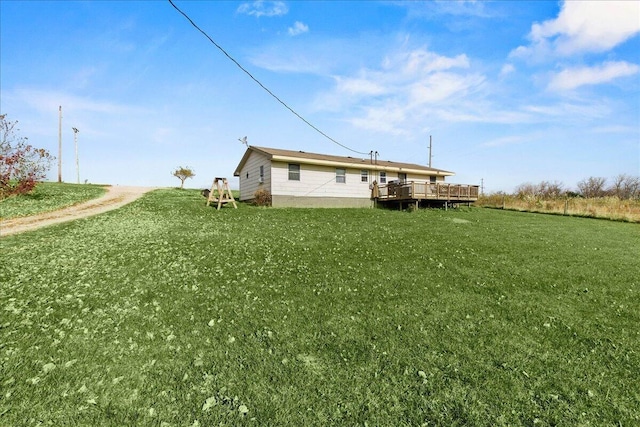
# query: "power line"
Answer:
x=259 y=83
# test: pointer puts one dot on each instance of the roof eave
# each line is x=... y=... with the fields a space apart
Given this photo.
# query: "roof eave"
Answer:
x=358 y=163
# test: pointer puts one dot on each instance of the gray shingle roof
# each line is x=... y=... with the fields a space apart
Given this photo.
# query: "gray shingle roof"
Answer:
x=347 y=161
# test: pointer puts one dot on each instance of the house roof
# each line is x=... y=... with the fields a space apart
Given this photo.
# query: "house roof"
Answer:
x=275 y=154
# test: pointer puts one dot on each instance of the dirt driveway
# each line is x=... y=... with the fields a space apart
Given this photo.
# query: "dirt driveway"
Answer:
x=115 y=197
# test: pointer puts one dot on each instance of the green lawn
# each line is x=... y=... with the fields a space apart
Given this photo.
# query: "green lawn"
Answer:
x=48 y=196
x=168 y=313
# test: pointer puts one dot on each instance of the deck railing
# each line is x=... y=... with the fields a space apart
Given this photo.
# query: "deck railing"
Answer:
x=426 y=191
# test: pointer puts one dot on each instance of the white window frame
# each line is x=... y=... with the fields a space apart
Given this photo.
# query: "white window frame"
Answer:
x=294 y=171
x=364 y=176
x=383 y=177
x=341 y=176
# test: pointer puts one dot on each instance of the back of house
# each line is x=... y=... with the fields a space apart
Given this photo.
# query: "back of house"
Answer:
x=301 y=179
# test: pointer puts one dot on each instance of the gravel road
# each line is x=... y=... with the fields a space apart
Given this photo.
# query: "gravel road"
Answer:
x=115 y=197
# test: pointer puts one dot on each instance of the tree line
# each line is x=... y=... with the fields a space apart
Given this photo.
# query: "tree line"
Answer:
x=623 y=186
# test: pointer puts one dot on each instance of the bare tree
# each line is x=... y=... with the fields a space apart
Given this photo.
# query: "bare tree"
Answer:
x=593 y=187
x=183 y=173
x=625 y=187
x=526 y=189
x=551 y=190
x=545 y=189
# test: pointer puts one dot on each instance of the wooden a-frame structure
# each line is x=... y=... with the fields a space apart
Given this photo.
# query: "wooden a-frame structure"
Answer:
x=220 y=193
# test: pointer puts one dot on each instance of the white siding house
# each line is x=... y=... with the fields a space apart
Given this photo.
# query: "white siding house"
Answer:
x=300 y=179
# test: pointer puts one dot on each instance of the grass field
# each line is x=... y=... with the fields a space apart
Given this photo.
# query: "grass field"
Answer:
x=168 y=313
x=598 y=207
x=48 y=196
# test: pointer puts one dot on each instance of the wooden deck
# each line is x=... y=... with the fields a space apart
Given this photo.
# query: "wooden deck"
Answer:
x=425 y=193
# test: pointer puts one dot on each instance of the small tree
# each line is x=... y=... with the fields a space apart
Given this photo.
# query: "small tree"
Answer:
x=592 y=187
x=21 y=164
x=182 y=173
x=544 y=190
x=625 y=187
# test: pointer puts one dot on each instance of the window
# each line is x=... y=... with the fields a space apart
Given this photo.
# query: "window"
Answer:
x=402 y=177
x=294 y=172
x=432 y=179
x=383 y=177
x=261 y=179
x=341 y=176
x=364 y=176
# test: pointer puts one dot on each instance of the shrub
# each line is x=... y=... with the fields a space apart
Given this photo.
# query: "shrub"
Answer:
x=262 y=197
x=21 y=164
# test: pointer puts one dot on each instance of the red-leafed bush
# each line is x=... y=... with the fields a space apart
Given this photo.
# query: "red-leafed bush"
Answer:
x=21 y=164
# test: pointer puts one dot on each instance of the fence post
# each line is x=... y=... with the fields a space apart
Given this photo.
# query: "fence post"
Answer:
x=566 y=206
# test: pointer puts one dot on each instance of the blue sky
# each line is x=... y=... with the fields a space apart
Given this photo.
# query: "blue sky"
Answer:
x=511 y=92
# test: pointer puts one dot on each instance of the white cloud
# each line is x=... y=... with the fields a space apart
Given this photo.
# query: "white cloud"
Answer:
x=298 y=28
x=386 y=119
x=583 y=26
x=50 y=100
x=615 y=129
x=442 y=87
x=457 y=8
x=507 y=69
x=407 y=87
x=505 y=140
x=359 y=86
x=260 y=8
x=421 y=61
x=572 y=78
x=565 y=111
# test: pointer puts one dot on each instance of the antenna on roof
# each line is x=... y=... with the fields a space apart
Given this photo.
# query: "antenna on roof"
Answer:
x=244 y=141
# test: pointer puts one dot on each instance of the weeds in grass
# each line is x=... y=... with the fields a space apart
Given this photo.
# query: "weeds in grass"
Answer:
x=167 y=313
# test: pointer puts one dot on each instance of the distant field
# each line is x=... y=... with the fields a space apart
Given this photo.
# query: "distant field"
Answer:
x=601 y=207
x=168 y=313
x=48 y=196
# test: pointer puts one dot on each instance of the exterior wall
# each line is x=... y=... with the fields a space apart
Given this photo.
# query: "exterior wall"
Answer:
x=318 y=181
x=249 y=185
x=320 y=202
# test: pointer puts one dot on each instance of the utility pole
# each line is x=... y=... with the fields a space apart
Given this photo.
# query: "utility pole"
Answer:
x=430 y=145
x=60 y=144
x=75 y=140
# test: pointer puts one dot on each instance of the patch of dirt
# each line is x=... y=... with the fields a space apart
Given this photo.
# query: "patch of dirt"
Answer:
x=115 y=197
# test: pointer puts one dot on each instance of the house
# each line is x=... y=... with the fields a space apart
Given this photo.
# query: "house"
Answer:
x=301 y=179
